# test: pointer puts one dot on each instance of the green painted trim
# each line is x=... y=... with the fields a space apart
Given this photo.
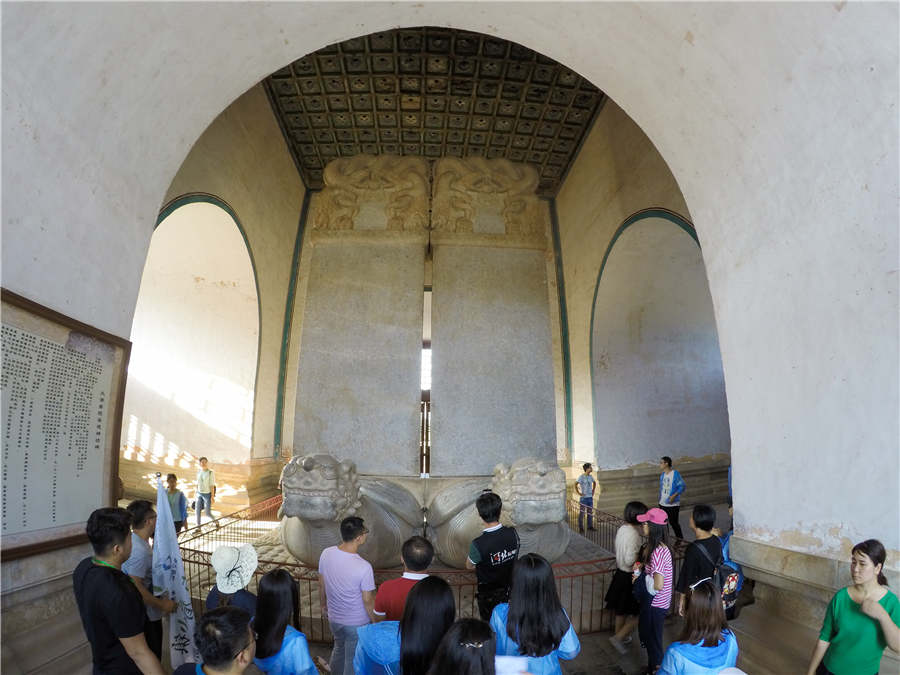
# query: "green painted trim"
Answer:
x=563 y=319
x=205 y=198
x=288 y=319
x=664 y=214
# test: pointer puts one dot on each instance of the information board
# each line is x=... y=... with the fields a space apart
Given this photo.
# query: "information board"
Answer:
x=62 y=388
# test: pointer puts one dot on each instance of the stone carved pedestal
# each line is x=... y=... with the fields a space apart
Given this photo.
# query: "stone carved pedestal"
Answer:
x=319 y=492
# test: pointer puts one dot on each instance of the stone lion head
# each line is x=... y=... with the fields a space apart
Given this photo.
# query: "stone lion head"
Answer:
x=318 y=487
x=533 y=491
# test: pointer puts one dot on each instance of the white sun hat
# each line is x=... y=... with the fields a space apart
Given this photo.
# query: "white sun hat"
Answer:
x=234 y=567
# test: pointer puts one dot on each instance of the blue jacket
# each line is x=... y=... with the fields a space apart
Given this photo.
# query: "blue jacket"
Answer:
x=726 y=558
x=683 y=658
x=568 y=648
x=242 y=598
x=292 y=659
x=181 y=506
x=677 y=486
x=377 y=649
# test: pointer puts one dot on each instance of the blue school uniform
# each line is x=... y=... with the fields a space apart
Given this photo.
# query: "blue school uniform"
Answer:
x=568 y=648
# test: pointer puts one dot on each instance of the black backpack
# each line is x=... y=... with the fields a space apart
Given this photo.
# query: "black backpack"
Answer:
x=724 y=577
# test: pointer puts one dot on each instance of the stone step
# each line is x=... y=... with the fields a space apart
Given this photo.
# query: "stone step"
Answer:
x=58 y=645
x=770 y=645
x=76 y=662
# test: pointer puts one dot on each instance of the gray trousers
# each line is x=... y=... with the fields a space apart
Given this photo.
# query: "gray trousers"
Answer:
x=344 y=648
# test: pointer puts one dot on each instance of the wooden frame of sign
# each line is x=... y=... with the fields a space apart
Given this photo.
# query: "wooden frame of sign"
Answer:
x=63 y=389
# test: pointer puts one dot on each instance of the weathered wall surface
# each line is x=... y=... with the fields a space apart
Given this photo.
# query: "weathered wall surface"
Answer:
x=657 y=371
x=492 y=391
x=242 y=159
x=492 y=373
x=358 y=384
x=617 y=172
x=38 y=601
x=792 y=185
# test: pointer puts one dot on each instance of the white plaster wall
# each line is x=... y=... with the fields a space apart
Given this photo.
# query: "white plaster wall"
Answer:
x=242 y=159
x=657 y=371
x=360 y=358
x=778 y=121
x=617 y=173
x=492 y=395
x=194 y=344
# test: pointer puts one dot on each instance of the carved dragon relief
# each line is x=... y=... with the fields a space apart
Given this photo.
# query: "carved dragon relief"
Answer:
x=398 y=186
x=390 y=193
x=462 y=187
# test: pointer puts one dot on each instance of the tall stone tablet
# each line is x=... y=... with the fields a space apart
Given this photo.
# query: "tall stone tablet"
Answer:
x=358 y=390
x=492 y=374
x=492 y=371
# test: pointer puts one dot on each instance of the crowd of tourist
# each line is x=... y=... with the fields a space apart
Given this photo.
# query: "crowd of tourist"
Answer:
x=409 y=626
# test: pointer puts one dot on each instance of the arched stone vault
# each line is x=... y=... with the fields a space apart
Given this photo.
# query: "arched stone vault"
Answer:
x=790 y=181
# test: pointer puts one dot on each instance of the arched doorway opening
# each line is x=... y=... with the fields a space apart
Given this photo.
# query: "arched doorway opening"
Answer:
x=656 y=369
x=192 y=377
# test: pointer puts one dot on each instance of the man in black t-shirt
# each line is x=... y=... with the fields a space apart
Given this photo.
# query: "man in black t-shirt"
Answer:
x=111 y=608
x=697 y=566
x=492 y=555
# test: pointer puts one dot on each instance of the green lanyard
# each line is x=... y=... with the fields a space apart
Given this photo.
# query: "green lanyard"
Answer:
x=106 y=564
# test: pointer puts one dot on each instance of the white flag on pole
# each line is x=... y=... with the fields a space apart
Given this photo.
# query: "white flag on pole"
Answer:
x=169 y=580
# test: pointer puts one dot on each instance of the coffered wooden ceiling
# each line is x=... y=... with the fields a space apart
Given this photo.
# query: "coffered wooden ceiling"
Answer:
x=433 y=93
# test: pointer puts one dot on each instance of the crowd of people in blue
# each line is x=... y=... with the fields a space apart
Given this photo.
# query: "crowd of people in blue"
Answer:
x=408 y=625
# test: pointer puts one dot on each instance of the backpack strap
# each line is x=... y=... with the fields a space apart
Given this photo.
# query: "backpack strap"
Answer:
x=710 y=558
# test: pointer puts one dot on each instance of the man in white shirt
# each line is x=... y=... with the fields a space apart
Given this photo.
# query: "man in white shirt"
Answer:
x=139 y=567
x=206 y=489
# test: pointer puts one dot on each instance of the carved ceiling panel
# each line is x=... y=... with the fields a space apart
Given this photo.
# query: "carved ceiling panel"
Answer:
x=432 y=93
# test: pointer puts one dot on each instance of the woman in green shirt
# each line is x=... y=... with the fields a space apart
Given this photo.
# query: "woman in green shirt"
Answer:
x=861 y=620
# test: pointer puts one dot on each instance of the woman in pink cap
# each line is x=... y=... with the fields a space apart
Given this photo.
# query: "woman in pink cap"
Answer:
x=654 y=588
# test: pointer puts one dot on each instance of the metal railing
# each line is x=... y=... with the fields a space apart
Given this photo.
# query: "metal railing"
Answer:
x=240 y=527
x=582 y=585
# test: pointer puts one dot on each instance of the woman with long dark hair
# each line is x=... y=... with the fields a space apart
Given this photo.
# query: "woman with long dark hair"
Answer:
x=386 y=647
x=619 y=597
x=281 y=649
x=705 y=645
x=654 y=586
x=533 y=622
x=467 y=648
x=862 y=619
